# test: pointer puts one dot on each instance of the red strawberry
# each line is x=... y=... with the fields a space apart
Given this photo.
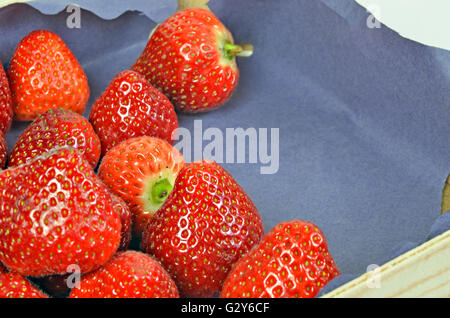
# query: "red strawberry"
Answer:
x=131 y=107
x=128 y=274
x=55 y=212
x=142 y=172
x=3 y=152
x=291 y=261
x=13 y=285
x=191 y=58
x=56 y=128
x=2 y=268
x=203 y=228
x=125 y=219
x=45 y=74
x=6 y=111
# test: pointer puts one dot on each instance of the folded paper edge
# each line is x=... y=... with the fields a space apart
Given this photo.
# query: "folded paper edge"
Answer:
x=57 y=8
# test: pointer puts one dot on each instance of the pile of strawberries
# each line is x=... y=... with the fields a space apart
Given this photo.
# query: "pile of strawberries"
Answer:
x=76 y=192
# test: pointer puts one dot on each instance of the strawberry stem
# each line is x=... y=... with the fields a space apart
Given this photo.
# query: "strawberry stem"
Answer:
x=232 y=50
x=160 y=191
x=188 y=4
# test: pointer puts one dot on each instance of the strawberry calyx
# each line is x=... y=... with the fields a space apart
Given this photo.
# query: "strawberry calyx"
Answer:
x=232 y=50
x=188 y=4
x=160 y=191
x=157 y=189
x=228 y=50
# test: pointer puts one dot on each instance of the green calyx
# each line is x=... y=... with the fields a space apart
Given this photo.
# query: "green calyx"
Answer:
x=230 y=50
x=156 y=190
x=160 y=191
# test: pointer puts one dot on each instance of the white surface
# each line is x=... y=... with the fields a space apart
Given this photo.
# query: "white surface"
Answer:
x=424 y=21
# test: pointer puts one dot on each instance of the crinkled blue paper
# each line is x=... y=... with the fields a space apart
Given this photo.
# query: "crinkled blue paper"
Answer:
x=156 y=10
x=364 y=114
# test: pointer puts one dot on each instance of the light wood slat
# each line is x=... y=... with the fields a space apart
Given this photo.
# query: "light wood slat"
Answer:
x=421 y=272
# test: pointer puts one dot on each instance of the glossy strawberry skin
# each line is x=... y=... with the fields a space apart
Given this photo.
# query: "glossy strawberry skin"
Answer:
x=206 y=224
x=183 y=59
x=128 y=274
x=131 y=107
x=45 y=74
x=56 y=128
x=13 y=285
x=125 y=219
x=55 y=212
x=126 y=168
x=3 y=152
x=292 y=261
x=6 y=110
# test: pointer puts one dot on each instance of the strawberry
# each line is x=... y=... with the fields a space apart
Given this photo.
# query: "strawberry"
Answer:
x=125 y=219
x=128 y=274
x=191 y=58
x=13 y=285
x=45 y=74
x=3 y=152
x=142 y=172
x=206 y=224
x=55 y=212
x=291 y=261
x=6 y=110
x=56 y=128
x=131 y=107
